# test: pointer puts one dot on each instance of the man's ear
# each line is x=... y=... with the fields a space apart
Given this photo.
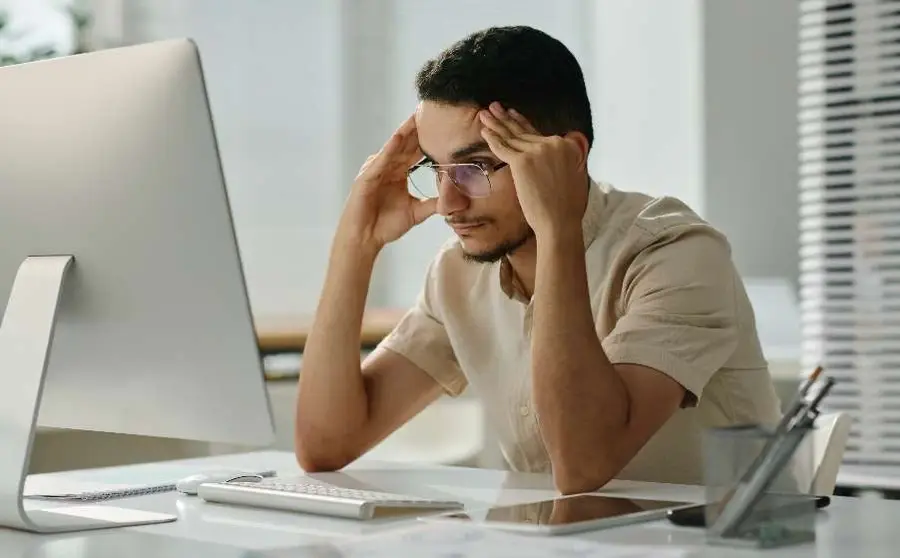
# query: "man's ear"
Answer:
x=584 y=147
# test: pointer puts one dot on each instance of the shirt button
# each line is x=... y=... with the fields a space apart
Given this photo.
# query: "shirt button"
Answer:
x=524 y=410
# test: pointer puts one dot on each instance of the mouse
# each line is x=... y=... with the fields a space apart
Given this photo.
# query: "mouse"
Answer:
x=188 y=485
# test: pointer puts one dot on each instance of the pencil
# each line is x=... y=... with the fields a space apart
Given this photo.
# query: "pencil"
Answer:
x=811 y=379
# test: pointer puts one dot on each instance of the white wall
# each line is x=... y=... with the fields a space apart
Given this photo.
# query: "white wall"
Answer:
x=750 y=127
x=692 y=98
x=648 y=98
x=698 y=99
x=302 y=92
x=274 y=74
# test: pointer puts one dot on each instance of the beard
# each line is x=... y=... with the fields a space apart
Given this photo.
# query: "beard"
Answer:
x=501 y=250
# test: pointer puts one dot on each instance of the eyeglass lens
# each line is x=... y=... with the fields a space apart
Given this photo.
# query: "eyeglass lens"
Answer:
x=468 y=179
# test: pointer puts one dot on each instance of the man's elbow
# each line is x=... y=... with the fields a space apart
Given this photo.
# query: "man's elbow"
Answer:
x=577 y=480
x=319 y=457
x=572 y=484
x=317 y=464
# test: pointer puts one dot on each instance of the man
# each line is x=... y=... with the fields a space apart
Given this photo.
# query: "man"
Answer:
x=603 y=330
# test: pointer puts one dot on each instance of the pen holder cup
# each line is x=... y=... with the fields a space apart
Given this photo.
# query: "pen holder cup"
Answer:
x=757 y=487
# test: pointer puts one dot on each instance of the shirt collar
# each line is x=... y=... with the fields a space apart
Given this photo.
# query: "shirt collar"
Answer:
x=591 y=224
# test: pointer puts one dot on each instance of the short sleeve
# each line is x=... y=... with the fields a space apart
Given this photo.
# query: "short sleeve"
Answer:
x=420 y=336
x=679 y=317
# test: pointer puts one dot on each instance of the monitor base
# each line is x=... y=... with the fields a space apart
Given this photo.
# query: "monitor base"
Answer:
x=26 y=336
x=88 y=517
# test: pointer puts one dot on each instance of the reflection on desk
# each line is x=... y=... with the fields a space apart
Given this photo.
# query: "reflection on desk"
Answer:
x=574 y=509
x=276 y=334
x=849 y=527
x=442 y=541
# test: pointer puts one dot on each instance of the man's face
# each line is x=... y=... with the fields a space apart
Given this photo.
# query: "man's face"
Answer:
x=488 y=227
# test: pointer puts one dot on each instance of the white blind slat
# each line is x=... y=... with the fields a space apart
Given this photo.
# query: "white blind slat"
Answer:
x=873 y=177
x=848 y=118
x=841 y=59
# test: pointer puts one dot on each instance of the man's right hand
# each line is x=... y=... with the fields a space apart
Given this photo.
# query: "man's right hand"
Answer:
x=380 y=208
x=345 y=407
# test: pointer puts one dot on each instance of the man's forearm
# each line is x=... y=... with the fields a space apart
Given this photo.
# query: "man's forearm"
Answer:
x=332 y=406
x=581 y=401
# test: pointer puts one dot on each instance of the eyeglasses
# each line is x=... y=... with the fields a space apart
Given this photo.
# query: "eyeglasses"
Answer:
x=471 y=179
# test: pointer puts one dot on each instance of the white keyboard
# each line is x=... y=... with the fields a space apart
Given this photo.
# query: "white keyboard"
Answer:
x=316 y=497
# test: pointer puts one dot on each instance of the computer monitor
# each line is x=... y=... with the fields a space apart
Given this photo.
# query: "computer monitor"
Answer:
x=109 y=168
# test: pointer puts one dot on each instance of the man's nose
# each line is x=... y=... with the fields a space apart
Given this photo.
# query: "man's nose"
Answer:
x=450 y=199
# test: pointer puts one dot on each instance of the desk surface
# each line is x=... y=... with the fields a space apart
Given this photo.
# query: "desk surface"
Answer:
x=869 y=477
x=850 y=527
x=289 y=333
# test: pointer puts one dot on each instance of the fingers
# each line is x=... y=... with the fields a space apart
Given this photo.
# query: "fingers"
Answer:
x=399 y=141
x=514 y=121
x=506 y=118
x=523 y=122
x=410 y=152
x=400 y=152
x=506 y=136
x=403 y=147
x=498 y=118
x=498 y=145
x=499 y=129
x=424 y=209
x=407 y=125
x=514 y=131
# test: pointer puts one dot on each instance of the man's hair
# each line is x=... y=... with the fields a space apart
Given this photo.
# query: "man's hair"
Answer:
x=521 y=68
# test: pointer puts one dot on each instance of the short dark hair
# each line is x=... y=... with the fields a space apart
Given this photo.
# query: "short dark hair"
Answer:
x=520 y=67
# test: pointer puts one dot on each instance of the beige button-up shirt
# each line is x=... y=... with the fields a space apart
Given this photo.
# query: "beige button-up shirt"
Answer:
x=664 y=294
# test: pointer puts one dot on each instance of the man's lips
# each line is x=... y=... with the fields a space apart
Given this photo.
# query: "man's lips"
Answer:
x=465 y=227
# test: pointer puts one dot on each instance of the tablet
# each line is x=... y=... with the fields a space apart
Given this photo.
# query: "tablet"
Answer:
x=565 y=514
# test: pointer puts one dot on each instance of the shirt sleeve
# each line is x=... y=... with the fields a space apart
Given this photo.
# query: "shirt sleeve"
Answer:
x=679 y=308
x=420 y=336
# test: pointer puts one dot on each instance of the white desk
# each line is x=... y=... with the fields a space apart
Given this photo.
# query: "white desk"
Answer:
x=870 y=477
x=850 y=527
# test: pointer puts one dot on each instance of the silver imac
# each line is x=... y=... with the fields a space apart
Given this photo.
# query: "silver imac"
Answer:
x=122 y=296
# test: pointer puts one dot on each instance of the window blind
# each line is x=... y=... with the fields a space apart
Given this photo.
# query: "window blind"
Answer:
x=849 y=123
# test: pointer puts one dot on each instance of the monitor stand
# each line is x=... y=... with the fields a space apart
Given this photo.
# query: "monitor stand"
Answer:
x=26 y=334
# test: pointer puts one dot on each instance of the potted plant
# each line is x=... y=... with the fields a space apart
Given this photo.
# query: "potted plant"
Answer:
x=37 y=29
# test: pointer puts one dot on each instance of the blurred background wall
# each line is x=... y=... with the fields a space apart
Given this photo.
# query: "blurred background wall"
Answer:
x=695 y=99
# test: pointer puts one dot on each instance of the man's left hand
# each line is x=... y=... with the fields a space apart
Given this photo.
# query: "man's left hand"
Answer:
x=548 y=171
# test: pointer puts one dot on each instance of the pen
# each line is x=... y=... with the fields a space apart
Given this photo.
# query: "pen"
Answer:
x=813 y=406
x=799 y=399
x=811 y=380
x=823 y=391
x=787 y=418
x=773 y=459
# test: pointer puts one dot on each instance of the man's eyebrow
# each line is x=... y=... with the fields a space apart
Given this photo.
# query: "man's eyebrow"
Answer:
x=471 y=149
x=461 y=153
